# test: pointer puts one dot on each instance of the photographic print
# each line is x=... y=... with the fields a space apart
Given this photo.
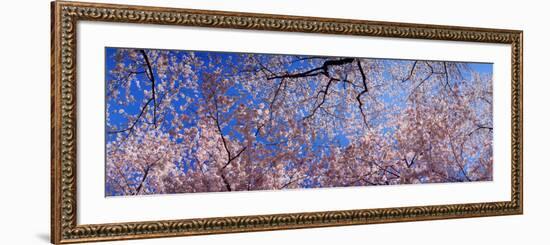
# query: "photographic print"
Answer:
x=180 y=121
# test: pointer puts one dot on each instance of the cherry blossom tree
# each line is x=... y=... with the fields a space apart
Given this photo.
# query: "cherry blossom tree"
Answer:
x=183 y=121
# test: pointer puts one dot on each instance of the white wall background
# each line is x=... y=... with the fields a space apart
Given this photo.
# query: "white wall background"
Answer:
x=25 y=120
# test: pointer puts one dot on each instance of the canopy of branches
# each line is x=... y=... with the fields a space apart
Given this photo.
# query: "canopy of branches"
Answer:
x=182 y=121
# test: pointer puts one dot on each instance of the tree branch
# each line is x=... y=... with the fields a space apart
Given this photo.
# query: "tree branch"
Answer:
x=271 y=104
x=230 y=158
x=411 y=72
x=322 y=70
x=424 y=80
x=324 y=92
x=146 y=172
x=365 y=90
x=152 y=78
x=458 y=163
x=409 y=164
x=119 y=81
x=131 y=128
x=479 y=127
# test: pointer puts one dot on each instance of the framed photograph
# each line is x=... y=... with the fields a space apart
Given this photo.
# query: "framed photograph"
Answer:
x=220 y=122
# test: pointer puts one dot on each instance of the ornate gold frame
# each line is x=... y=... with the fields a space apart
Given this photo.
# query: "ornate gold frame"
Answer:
x=65 y=15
